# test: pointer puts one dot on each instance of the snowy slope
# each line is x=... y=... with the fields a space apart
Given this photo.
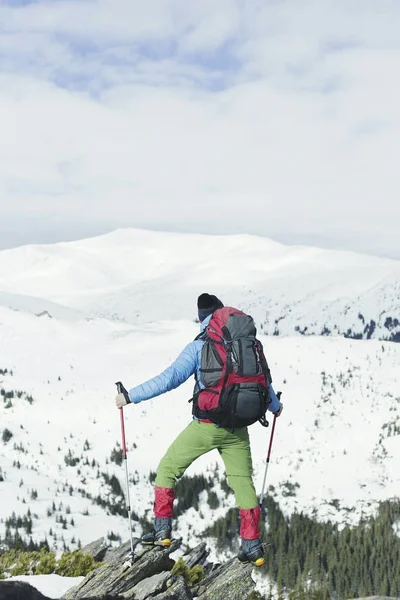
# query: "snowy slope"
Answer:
x=139 y=276
x=39 y=307
x=337 y=439
x=336 y=445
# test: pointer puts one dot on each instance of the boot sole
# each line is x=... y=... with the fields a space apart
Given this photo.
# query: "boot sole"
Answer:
x=257 y=563
x=163 y=543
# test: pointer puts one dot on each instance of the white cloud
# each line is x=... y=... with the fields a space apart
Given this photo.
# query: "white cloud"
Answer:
x=278 y=118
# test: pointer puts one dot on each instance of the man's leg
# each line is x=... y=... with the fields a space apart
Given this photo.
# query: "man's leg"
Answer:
x=196 y=439
x=235 y=451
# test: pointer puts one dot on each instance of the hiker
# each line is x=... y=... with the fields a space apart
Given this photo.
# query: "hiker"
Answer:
x=233 y=389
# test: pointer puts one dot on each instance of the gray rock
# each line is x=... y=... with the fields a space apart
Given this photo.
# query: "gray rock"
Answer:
x=119 y=555
x=231 y=581
x=118 y=579
x=197 y=556
x=151 y=586
x=19 y=590
x=97 y=549
x=178 y=591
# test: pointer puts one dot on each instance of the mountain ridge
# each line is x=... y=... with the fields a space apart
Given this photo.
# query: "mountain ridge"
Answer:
x=290 y=290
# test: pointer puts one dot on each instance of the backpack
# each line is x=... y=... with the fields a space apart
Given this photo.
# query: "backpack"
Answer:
x=233 y=371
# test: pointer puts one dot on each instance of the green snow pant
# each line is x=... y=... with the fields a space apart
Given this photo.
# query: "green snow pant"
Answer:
x=197 y=439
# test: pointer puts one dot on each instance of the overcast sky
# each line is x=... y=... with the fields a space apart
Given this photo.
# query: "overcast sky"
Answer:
x=273 y=117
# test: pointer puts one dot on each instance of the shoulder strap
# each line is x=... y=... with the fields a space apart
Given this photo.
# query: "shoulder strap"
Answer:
x=201 y=335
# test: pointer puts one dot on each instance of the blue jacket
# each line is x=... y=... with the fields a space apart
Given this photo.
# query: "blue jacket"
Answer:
x=186 y=365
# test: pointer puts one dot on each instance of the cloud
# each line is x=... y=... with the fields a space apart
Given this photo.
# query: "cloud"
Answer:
x=278 y=118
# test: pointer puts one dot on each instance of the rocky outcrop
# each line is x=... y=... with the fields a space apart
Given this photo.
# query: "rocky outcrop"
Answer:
x=19 y=590
x=231 y=581
x=118 y=576
x=150 y=575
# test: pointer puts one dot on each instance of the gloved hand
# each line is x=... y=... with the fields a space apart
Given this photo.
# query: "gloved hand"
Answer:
x=121 y=401
x=123 y=397
x=279 y=412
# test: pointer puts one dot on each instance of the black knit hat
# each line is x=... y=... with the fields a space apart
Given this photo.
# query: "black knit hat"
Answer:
x=207 y=304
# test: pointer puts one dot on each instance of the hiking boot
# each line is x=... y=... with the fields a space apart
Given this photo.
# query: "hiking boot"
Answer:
x=256 y=558
x=161 y=534
x=252 y=552
x=157 y=538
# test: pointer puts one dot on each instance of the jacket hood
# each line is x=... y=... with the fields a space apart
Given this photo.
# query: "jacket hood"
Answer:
x=204 y=323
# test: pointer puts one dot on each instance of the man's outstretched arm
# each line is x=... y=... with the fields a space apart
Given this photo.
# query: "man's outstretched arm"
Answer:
x=176 y=374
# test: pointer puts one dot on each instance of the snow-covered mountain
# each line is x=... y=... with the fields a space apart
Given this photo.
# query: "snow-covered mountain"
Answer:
x=336 y=445
x=139 y=276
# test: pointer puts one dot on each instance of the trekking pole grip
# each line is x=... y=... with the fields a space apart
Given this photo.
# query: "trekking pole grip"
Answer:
x=122 y=390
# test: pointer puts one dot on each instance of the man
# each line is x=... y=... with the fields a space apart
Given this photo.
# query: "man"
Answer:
x=201 y=436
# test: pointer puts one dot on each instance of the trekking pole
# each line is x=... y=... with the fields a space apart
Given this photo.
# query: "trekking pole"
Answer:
x=278 y=395
x=122 y=390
